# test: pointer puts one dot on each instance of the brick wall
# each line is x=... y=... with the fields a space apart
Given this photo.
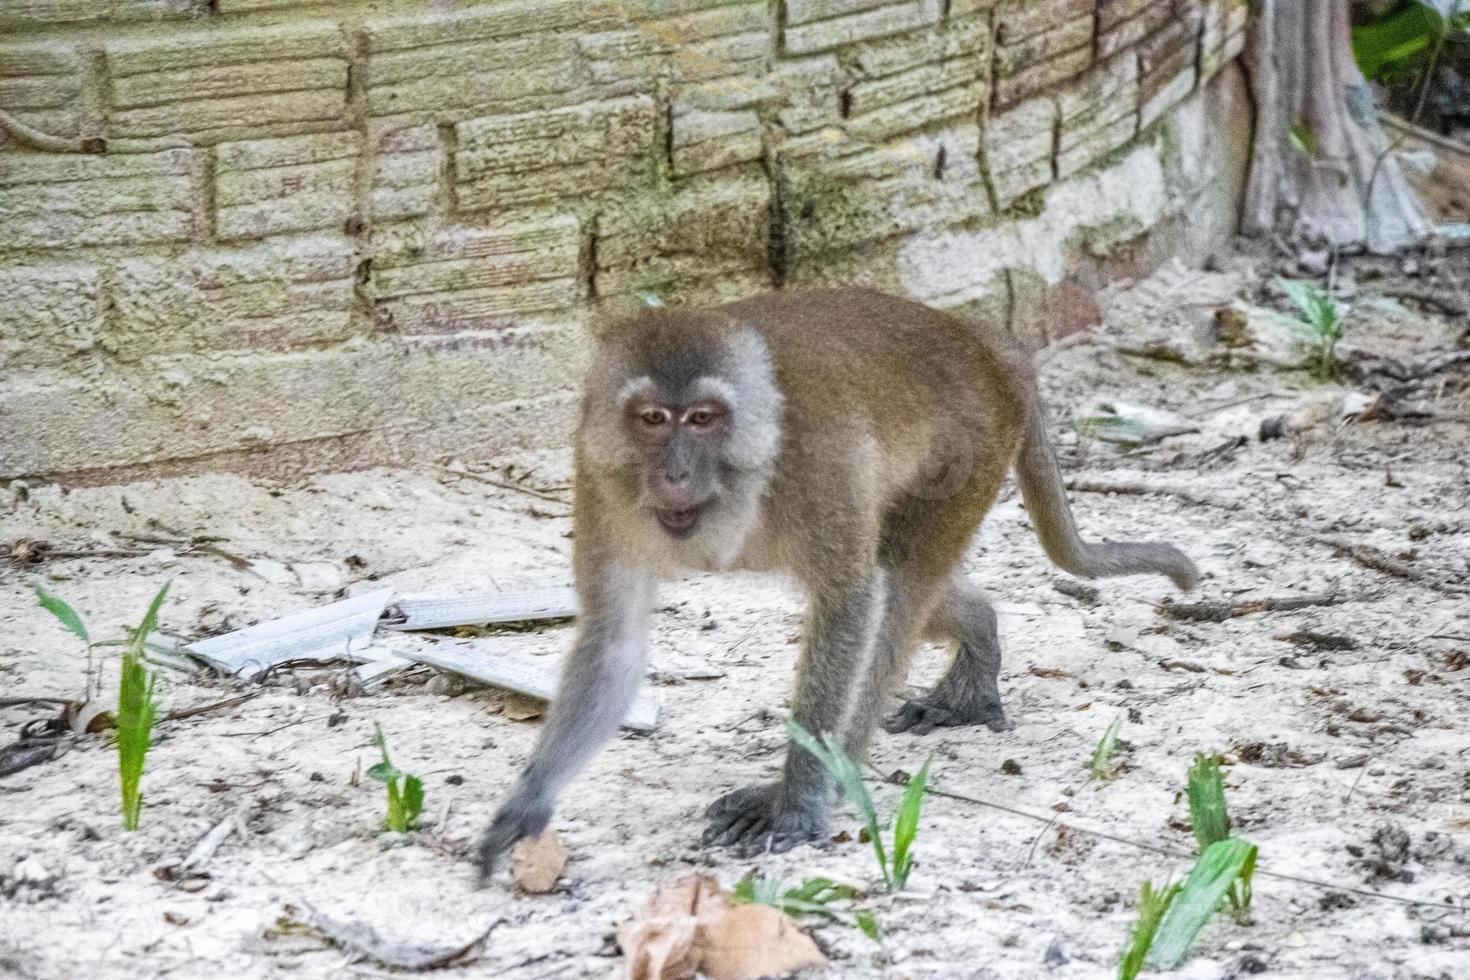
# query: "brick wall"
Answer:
x=282 y=235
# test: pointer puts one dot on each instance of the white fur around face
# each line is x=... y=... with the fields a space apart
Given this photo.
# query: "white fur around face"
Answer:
x=755 y=401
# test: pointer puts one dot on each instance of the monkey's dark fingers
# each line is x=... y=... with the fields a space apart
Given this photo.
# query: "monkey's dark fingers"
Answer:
x=920 y=716
x=517 y=818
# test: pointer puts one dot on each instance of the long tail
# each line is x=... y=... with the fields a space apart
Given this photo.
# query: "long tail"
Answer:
x=1046 y=503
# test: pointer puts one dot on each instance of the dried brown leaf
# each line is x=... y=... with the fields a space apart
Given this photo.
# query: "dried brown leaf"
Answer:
x=537 y=862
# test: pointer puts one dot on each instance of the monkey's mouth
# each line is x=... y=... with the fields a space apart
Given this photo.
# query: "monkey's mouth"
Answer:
x=679 y=523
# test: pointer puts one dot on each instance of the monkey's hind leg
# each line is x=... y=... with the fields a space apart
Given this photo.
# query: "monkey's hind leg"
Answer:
x=969 y=692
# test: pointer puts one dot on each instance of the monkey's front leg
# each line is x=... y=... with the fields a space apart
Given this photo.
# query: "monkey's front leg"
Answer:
x=599 y=680
x=844 y=632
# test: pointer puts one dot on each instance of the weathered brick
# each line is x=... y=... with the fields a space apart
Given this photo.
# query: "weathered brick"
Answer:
x=531 y=157
x=969 y=37
x=500 y=20
x=64 y=200
x=478 y=278
x=214 y=86
x=1019 y=19
x=807 y=11
x=704 y=141
x=406 y=170
x=719 y=219
x=50 y=313
x=1222 y=36
x=1111 y=13
x=1018 y=149
x=52 y=11
x=1023 y=54
x=1038 y=78
x=273 y=296
x=1125 y=34
x=1166 y=69
x=294 y=183
x=521 y=71
x=903 y=117
x=1098 y=114
x=891 y=18
x=41 y=85
x=864 y=97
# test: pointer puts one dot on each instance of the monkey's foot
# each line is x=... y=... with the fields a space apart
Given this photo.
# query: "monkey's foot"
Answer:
x=936 y=710
x=518 y=818
x=761 y=820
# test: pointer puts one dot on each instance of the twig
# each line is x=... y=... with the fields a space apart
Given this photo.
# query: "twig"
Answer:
x=506 y=485
x=1031 y=851
x=210 y=842
x=1078 y=339
x=20 y=702
x=1078 y=485
x=1201 y=413
x=1169 y=851
x=194 y=712
x=1218 y=612
x=1370 y=557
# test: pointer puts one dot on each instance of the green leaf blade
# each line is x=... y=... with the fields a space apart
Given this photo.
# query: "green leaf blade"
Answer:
x=64 y=613
x=1212 y=876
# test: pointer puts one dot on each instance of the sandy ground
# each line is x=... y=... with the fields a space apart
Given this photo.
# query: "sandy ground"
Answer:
x=1332 y=752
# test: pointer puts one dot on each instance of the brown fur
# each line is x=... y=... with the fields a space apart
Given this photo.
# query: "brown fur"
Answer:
x=869 y=436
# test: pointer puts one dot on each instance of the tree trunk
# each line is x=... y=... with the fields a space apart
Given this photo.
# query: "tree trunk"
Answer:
x=1340 y=184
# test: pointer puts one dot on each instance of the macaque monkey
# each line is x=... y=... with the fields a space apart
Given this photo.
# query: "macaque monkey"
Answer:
x=853 y=439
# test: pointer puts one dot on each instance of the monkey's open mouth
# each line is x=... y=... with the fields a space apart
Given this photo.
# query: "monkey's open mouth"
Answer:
x=679 y=523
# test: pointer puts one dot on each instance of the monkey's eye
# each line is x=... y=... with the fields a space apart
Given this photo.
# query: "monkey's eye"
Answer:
x=701 y=418
x=653 y=416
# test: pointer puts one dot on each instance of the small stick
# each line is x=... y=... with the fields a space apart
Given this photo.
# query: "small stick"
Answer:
x=210 y=842
x=1370 y=557
x=183 y=713
x=1218 y=612
x=506 y=485
x=1078 y=485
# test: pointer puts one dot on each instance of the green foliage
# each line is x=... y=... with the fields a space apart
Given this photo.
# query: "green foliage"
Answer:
x=1402 y=41
x=1215 y=871
x=1104 y=767
x=405 y=792
x=849 y=778
x=137 y=709
x=1303 y=138
x=1206 y=791
x=814 y=896
x=63 y=612
x=1151 y=908
x=1320 y=325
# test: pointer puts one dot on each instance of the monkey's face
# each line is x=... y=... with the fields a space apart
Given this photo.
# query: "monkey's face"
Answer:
x=680 y=443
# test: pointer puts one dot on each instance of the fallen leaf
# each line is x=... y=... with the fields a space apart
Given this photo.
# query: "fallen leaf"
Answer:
x=522 y=707
x=1053 y=672
x=754 y=941
x=690 y=926
x=404 y=955
x=537 y=862
x=175 y=919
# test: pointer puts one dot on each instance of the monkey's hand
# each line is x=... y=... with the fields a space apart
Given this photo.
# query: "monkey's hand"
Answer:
x=765 y=819
x=521 y=816
x=940 y=709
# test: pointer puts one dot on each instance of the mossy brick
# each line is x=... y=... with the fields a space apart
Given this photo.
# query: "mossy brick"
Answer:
x=1166 y=69
x=50 y=314
x=955 y=38
x=718 y=217
x=807 y=11
x=1111 y=13
x=704 y=141
x=485 y=308
x=904 y=117
x=1222 y=34
x=41 y=84
x=1030 y=51
x=867 y=96
x=1098 y=114
x=411 y=31
x=271 y=296
x=45 y=12
x=1125 y=34
x=64 y=200
x=470 y=258
x=405 y=169
x=537 y=70
x=891 y=18
x=1018 y=148
x=1040 y=77
x=1016 y=20
x=199 y=407
x=524 y=158
x=216 y=85
x=294 y=183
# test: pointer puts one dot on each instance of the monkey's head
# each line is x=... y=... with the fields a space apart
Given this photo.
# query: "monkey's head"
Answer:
x=682 y=413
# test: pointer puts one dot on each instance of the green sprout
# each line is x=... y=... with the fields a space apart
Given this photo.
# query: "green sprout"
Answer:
x=1320 y=326
x=405 y=792
x=1104 y=767
x=814 y=896
x=897 y=863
